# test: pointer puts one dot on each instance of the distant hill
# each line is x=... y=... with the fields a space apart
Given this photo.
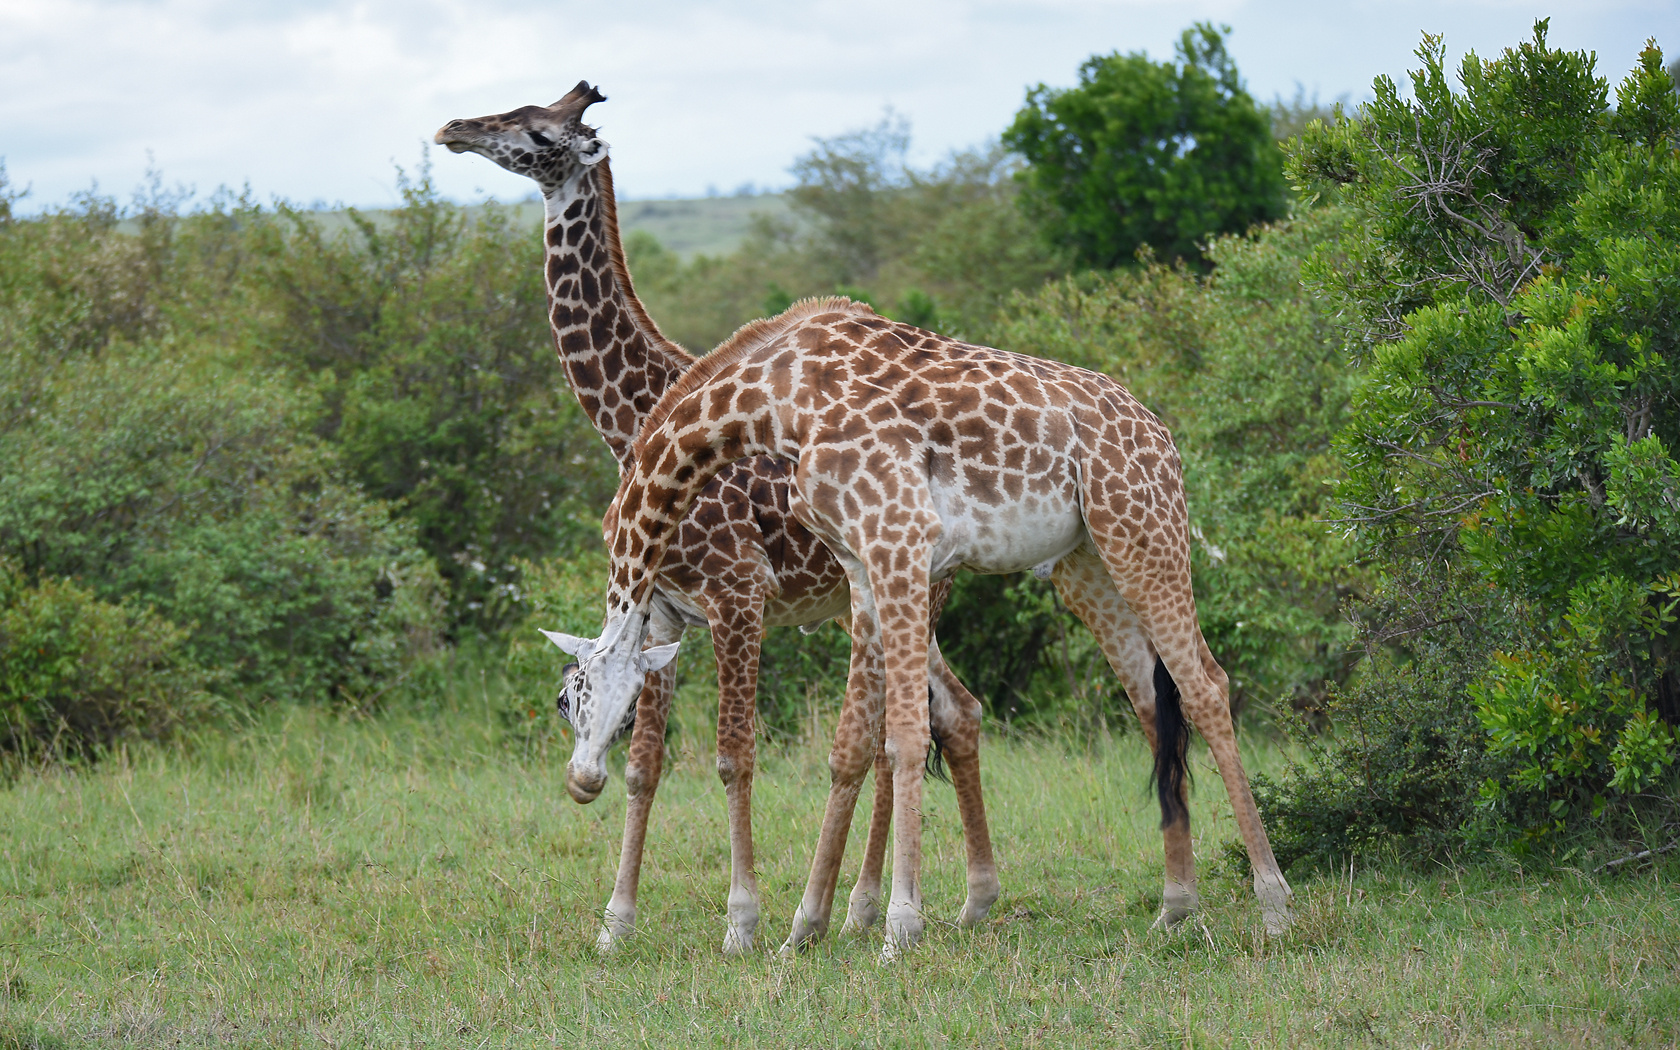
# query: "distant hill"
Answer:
x=689 y=226
x=692 y=226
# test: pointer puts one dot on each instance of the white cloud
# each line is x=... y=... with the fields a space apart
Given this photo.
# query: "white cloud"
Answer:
x=315 y=100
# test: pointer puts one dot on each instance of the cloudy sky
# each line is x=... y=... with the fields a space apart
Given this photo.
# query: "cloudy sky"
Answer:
x=314 y=100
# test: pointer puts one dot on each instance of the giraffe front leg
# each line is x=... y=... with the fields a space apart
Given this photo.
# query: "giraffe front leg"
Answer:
x=737 y=617
x=642 y=768
x=856 y=741
x=904 y=633
x=863 y=907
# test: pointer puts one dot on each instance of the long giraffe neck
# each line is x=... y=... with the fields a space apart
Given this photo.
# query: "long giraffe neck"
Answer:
x=616 y=360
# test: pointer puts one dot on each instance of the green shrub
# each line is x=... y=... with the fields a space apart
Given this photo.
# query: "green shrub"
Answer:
x=184 y=484
x=423 y=333
x=1396 y=767
x=1511 y=275
x=77 y=673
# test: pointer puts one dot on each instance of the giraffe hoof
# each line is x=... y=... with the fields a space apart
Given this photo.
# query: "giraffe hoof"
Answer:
x=979 y=903
x=1275 y=896
x=861 y=914
x=1170 y=917
x=805 y=931
x=904 y=930
x=615 y=930
x=737 y=941
x=1278 y=922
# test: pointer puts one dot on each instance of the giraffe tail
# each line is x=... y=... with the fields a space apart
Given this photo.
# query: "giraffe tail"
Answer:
x=935 y=765
x=1172 y=739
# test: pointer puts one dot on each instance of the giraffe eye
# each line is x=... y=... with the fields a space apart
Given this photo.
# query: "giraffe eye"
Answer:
x=540 y=139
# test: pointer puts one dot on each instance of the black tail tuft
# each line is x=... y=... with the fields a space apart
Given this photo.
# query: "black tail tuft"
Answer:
x=935 y=765
x=1172 y=738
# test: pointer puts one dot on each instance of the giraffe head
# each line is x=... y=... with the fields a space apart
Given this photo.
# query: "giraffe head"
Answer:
x=549 y=144
x=598 y=695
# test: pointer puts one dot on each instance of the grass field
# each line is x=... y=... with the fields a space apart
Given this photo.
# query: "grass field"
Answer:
x=408 y=881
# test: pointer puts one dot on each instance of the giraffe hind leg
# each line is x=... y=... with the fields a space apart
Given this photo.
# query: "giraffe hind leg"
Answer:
x=863 y=906
x=1156 y=583
x=1086 y=588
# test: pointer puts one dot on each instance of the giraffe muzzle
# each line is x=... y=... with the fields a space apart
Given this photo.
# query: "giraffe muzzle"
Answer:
x=449 y=136
x=584 y=786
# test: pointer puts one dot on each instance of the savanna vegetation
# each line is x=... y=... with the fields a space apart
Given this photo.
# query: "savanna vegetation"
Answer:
x=282 y=500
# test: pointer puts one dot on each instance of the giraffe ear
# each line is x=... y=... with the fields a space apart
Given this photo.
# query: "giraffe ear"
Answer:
x=571 y=643
x=656 y=658
x=592 y=151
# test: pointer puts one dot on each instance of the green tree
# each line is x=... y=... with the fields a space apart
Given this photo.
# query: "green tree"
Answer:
x=1163 y=154
x=1512 y=269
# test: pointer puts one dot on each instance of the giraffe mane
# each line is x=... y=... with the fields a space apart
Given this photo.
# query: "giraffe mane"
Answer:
x=746 y=339
x=621 y=273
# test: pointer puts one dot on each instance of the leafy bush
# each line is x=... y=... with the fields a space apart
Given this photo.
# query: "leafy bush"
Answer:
x=148 y=454
x=424 y=334
x=1395 y=769
x=1511 y=268
x=77 y=673
x=174 y=482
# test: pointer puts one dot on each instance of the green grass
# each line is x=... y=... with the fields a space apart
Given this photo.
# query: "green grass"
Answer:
x=405 y=881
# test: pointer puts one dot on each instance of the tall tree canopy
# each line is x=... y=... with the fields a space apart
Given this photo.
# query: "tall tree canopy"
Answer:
x=1164 y=154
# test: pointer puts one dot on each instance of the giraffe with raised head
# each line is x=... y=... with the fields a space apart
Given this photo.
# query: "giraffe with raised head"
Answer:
x=739 y=561
x=915 y=456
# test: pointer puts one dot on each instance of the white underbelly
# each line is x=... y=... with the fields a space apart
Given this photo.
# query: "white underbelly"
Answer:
x=1014 y=538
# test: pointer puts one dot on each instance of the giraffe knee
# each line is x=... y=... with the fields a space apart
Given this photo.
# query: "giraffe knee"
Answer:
x=639 y=779
x=849 y=765
x=733 y=767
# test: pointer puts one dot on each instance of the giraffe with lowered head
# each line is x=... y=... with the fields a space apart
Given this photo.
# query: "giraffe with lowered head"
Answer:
x=739 y=561
x=915 y=456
